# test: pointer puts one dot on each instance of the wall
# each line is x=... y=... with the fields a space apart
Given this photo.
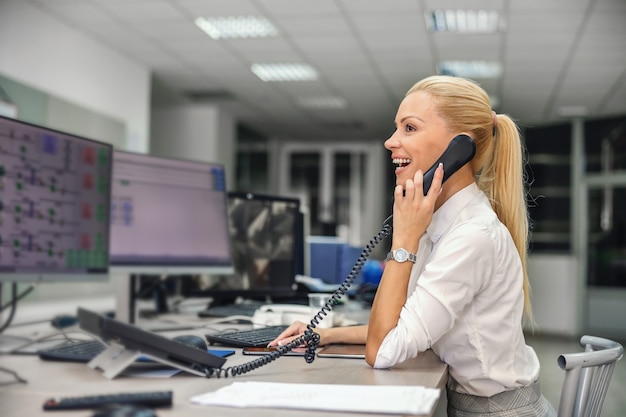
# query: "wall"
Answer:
x=76 y=76
x=606 y=312
x=201 y=132
x=557 y=300
x=34 y=106
x=47 y=55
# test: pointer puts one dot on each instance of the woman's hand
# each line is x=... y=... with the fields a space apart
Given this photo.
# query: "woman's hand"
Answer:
x=412 y=210
x=355 y=335
x=295 y=330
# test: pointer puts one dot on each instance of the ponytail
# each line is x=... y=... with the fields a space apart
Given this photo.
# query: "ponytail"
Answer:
x=502 y=179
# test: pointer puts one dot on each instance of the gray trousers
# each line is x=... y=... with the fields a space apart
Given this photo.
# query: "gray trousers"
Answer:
x=522 y=402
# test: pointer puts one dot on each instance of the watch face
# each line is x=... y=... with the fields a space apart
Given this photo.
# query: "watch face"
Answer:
x=401 y=255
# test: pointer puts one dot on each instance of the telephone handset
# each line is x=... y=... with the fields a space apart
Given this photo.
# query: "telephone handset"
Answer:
x=460 y=151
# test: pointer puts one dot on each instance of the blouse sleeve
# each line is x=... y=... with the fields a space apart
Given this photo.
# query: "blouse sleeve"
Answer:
x=453 y=275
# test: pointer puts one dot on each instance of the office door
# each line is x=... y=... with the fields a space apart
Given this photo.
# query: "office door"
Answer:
x=334 y=182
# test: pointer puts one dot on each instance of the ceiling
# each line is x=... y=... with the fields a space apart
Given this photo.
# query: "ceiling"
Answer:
x=559 y=57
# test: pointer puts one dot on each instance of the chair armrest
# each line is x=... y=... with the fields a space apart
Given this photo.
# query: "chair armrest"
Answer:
x=600 y=351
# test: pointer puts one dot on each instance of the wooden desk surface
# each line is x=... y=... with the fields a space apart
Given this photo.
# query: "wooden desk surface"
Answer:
x=47 y=379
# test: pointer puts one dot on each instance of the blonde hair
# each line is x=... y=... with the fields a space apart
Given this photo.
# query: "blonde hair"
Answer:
x=499 y=161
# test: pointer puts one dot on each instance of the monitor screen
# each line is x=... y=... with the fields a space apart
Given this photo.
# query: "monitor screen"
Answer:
x=54 y=205
x=168 y=216
x=267 y=239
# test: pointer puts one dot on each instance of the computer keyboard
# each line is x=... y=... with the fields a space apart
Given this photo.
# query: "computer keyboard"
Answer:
x=73 y=351
x=229 y=310
x=246 y=338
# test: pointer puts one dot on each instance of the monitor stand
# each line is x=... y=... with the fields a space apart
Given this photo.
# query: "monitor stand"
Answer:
x=126 y=311
x=124 y=285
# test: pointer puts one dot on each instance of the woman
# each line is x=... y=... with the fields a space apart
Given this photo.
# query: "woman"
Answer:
x=465 y=292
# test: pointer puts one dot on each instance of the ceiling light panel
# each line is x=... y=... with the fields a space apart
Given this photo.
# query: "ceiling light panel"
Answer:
x=284 y=72
x=236 y=27
x=470 y=69
x=322 y=103
x=463 y=21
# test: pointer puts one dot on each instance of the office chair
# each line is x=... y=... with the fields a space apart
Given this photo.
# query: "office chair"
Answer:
x=587 y=376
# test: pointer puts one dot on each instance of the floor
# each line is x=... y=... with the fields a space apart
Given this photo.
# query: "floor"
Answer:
x=549 y=348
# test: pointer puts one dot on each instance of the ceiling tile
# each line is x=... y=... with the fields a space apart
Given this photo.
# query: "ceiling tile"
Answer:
x=298 y=7
x=266 y=51
x=615 y=101
x=326 y=26
x=465 y=4
x=204 y=8
x=553 y=6
x=378 y=7
x=137 y=11
x=468 y=47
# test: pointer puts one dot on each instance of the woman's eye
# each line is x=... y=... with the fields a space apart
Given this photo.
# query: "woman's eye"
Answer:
x=409 y=128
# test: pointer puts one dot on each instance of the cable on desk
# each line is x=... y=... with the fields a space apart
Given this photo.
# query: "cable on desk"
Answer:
x=18 y=378
x=310 y=338
x=13 y=305
x=49 y=337
x=15 y=297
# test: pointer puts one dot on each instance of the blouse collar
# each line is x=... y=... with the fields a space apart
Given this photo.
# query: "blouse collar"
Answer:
x=447 y=213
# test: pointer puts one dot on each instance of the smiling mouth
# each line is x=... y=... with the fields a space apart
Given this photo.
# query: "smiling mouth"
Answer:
x=401 y=162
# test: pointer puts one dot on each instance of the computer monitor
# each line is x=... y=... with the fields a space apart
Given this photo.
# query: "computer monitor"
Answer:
x=54 y=205
x=268 y=249
x=168 y=216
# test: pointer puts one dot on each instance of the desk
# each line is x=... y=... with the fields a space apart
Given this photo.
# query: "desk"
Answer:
x=48 y=379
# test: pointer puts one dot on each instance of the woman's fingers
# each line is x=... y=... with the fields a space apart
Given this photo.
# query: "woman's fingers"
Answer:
x=294 y=330
x=435 y=186
x=412 y=209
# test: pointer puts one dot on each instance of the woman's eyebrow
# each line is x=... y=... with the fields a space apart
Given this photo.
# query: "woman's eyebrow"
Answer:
x=411 y=117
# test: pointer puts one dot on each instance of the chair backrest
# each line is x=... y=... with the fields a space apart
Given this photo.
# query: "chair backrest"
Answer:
x=587 y=376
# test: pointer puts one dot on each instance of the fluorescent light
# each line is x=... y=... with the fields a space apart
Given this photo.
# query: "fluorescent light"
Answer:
x=284 y=72
x=572 y=111
x=463 y=21
x=470 y=69
x=234 y=27
x=322 y=103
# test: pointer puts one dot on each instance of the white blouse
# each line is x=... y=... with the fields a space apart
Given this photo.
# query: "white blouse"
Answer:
x=465 y=301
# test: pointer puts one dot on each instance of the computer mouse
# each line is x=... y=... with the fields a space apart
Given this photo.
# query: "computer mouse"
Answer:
x=62 y=321
x=192 y=340
x=119 y=410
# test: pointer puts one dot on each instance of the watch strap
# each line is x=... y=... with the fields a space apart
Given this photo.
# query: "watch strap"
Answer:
x=411 y=257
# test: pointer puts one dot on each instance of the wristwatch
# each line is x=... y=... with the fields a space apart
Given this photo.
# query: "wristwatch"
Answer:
x=401 y=255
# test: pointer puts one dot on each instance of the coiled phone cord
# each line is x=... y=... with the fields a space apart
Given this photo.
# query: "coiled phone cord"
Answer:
x=310 y=338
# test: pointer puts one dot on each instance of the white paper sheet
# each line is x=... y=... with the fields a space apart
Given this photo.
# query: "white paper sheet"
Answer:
x=387 y=399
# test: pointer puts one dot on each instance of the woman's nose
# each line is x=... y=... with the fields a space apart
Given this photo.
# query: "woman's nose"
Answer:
x=392 y=142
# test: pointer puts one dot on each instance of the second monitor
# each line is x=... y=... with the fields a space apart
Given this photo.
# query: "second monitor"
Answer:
x=168 y=216
x=267 y=236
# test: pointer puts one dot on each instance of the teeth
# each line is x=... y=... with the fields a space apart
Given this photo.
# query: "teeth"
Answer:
x=401 y=161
